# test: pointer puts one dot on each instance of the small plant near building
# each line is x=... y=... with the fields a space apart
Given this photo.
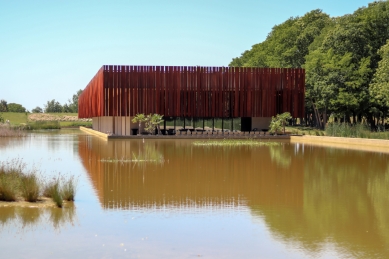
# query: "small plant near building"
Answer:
x=140 y=118
x=151 y=121
x=278 y=123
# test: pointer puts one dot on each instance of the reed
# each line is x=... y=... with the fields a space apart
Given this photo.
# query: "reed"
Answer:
x=30 y=187
x=50 y=187
x=57 y=197
x=69 y=189
x=8 y=131
x=15 y=184
x=42 y=125
x=354 y=131
x=10 y=175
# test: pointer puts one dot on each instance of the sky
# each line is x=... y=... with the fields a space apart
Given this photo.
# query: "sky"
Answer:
x=51 y=49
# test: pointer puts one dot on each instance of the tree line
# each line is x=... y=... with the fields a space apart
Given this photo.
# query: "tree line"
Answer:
x=346 y=60
x=51 y=106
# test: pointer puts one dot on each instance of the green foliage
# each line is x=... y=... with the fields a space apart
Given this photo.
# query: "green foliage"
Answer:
x=15 y=107
x=379 y=88
x=287 y=44
x=1 y=118
x=53 y=106
x=347 y=130
x=278 y=123
x=344 y=59
x=73 y=103
x=37 y=110
x=3 y=106
x=140 y=118
x=153 y=121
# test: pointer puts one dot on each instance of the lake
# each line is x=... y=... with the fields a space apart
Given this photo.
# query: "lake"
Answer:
x=171 y=199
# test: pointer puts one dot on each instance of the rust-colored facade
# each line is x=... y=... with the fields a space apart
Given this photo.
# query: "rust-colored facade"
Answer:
x=200 y=92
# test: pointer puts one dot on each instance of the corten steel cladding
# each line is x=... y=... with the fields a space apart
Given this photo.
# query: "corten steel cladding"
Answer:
x=194 y=92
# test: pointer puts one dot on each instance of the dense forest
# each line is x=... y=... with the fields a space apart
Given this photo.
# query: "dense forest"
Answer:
x=346 y=60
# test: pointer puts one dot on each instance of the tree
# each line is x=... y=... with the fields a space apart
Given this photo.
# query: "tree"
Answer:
x=73 y=104
x=287 y=44
x=66 y=108
x=277 y=123
x=154 y=121
x=15 y=107
x=3 y=106
x=140 y=118
x=53 y=106
x=379 y=88
x=37 y=110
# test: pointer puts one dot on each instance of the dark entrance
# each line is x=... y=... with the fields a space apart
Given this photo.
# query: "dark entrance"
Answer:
x=245 y=124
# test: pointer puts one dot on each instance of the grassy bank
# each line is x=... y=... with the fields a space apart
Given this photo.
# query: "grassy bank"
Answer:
x=15 y=118
x=36 y=121
x=354 y=131
x=17 y=183
x=340 y=130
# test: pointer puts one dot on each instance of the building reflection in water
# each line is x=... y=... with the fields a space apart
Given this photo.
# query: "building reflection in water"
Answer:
x=310 y=195
x=190 y=176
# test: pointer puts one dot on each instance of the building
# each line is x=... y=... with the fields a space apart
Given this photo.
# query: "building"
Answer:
x=239 y=98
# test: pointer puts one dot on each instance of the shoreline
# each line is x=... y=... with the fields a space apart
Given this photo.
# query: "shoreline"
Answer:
x=43 y=202
x=362 y=144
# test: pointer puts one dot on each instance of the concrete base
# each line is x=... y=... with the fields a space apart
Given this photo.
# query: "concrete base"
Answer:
x=376 y=145
x=114 y=125
x=260 y=122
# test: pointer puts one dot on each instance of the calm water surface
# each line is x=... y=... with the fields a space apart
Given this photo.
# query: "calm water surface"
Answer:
x=286 y=201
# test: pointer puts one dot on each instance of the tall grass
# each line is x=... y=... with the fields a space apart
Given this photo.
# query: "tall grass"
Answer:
x=30 y=187
x=16 y=184
x=8 y=131
x=353 y=131
x=38 y=125
x=10 y=173
x=69 y=189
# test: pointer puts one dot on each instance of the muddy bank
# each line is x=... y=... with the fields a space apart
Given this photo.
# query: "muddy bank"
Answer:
x=43 y=202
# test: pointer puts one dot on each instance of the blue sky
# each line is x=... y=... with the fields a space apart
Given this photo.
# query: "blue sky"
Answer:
x=50 y=49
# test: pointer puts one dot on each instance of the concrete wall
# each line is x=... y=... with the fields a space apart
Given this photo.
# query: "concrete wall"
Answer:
x=260 y=122
x=114 y=125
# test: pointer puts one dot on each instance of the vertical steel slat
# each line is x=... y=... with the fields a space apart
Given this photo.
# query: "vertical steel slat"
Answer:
x=193 y=91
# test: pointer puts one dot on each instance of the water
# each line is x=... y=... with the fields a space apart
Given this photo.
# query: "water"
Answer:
x=185 y=201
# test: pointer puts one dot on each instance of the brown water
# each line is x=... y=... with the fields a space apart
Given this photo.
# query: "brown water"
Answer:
x=285 y=201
